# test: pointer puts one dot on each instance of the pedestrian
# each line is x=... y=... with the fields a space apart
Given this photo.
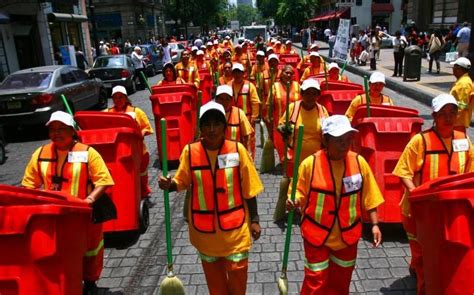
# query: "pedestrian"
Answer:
x=103 y=49
x=356 y=52
x=114 y=50
x=331 y=43
x=165 y=51
x=316 y=67
x=363 y=39
x=462 y=90
x=139 y=62
x=351 y=48
x=306 y=59
x=435 y=47
x=462 y=40
x=80 y=59
x=187 y=70
x=122 y=104
x=436 y=152
x=227 y=76
x=373 y=48
x=220 y=228
x=399 y=45
x=238 y=126
x=170 y=77
x=335 y=187
x=376 y=85
x=78 y=170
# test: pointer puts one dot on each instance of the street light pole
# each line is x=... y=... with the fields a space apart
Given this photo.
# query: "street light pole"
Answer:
x=94 y=28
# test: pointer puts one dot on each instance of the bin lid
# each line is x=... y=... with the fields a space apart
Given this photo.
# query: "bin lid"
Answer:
x=89 y=120
x=174 y=88
x=383 y=111
x=340 y=85
x=14 y=196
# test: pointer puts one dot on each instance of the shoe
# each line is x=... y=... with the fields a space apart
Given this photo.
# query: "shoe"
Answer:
x=90 y=288
x=437 y=72
x=394 y=75
x=428 y=71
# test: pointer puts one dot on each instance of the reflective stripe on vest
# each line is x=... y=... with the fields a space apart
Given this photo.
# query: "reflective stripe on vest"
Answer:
x=324 y=206
x=438 y=161
x=73 y=178
x=237 y=257
x=233 y=125
x=294 y=119
x=242 y=100
x=280 y=98
x=317 y=266
x=216 y=193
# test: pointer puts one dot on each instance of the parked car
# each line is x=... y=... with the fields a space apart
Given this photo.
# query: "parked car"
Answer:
x=386 y=40
x=3 y=154
x=115 y=70
x=176 y=51
x=152 y=53
x=28 y=97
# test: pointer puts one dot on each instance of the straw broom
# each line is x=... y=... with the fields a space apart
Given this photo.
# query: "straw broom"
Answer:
x=283 y=280
x=268 y=155
x=171 y=285
x=261 y=124
x=280 y=212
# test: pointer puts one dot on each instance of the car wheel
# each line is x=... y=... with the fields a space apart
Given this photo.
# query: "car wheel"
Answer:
x=102 y=104
x=144 y=219
x=152 y=71
x=3 y=155
x=133 y=87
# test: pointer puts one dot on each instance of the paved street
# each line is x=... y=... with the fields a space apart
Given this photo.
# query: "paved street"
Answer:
x=140 y=268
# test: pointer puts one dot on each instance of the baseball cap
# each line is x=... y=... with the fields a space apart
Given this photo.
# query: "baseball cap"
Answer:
x=278 y=42
x=200 y=52
x=314 y=54
x=288 y=42
x=310 y=83
x=314 y=45
x=441 y=100
x=211 y=106
x=227 y=37
x=203 y=46
x=216 y=42
x=269 y=48
x=337 y=125
x=462 y=62
x=260 y=53
x=333 y=65
x=224 y=89
x=62 y=117
x=119 y=89
x=273 y=56
x=209 y=43
x=237 y=66
x=377 y=77
x=194 y=48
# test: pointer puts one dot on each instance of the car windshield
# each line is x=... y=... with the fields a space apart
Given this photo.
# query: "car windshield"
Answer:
x=39 y=80
x=109 y=62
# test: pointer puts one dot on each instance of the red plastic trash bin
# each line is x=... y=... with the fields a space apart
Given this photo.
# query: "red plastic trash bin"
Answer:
x=443 y=210
x=290 y=59
x=42 y=241
x=337 y=101
x=191 y=89
x=119 y=141
x=339 y=85
x=206 y=85
x=381 y=141
x=178 y=110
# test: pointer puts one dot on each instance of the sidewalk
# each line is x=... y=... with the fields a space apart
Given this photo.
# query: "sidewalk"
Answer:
x=430 y=84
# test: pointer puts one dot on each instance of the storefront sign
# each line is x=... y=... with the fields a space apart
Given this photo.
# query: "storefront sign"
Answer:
x=342 y=39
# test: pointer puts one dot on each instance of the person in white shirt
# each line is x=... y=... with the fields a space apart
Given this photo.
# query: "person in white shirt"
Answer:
x=103 y=49
x=462 y=39
x=399 y=44
x=139 y=62
x=166 y=51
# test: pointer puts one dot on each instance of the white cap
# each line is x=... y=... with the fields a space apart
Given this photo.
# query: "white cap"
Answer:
x=62 y=117
x=278 y=42
x=269 y=48
x=238 y=66
x=209 y=43
x=288 y=42
x=333 y=65
x=251 y=42
x=200 y=52
x=260 y=53
x=101 y=42
x=377 y=77
x=337 y=125
x=313 y=53
x=212 y=105
x=194 y=48
x=203 y=46
x=441 y=100
x=137 y=48
x=227 y=37
x=119 y=89
x=216 y=42
x=462 y=62
x=310 y=83
x=238 y=46
x=224 y=89
x=273 y=56
x=314 y=45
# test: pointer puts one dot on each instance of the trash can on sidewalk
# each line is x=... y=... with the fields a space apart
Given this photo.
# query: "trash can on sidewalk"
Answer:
x=412 y=64
x=443 y=210
x=42 y=241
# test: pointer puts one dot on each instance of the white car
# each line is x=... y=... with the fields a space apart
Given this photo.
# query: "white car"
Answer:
x=176 y=50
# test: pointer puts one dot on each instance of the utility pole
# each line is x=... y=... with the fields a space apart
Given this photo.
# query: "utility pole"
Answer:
x=94 y=28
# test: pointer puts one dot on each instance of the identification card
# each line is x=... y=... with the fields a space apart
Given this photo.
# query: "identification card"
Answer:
x=78 y=157
x=245 y=88
x=228 y=160
x=460 y=145
x=131 y=114
x=352 y=183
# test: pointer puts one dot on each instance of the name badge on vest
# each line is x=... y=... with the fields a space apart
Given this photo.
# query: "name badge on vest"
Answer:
x=460 y=145
x=228 y=160
x=131 y=114
x=191 y=69
x=385 y=103
x=245 y=88
x=352 y=183
x=78 y=157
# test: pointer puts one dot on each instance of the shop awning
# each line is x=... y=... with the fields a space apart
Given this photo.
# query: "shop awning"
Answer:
x=330 y=15
x=4 y=18
x=382 y=7
x=66 y=17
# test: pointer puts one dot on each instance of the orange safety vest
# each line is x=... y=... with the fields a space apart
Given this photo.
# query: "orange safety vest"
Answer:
x=188 y=74
x=73 y=178
x=224 y=80
x=438 y=161
x=279 y=101
x=385 y=99
x=217 y=194
x=294 y=118
x=242 y=98
x=233 y=125
x=324 y=208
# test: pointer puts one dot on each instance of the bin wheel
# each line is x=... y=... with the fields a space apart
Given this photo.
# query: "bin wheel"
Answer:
x=3 y=156
x=144 y=220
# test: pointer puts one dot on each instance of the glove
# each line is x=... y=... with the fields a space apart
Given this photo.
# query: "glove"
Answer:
x=285 y=132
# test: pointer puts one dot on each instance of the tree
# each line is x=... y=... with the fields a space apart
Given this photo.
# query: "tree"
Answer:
x=268 y=8
x=295 y=12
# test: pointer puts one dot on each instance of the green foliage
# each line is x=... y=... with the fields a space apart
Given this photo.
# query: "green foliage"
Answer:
x=245 y=14
x=205 y=13
x=268 y=8
x=295 y=12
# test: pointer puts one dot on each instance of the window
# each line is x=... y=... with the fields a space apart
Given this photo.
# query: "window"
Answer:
x=80 y=75
x=359 y=2
x=40 y=80
x=67 y=76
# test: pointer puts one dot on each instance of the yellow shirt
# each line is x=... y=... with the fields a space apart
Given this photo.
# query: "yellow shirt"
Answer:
x=222 y=243
x=98 y=172
x=313 y=136
x=461 y=90
x=245 y=126
x=357 y=101
x=311 y=71
x=253 y=95
x=371 y=195
x=411 y=161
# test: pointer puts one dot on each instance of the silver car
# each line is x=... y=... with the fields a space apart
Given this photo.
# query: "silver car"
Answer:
x=176 y=51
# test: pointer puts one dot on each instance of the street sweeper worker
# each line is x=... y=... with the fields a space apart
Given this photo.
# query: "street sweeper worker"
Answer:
x=76 y=169
x=238 y=126
x=334 y=73
x=439 y=151
x=316 y=67
x=334 y=187
x=221 y=227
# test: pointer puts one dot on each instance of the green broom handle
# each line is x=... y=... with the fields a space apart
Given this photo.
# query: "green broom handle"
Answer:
x=325 y=75
x=293 y=194
x=198 y=109
x=343 y=68
x=68 y=108
x=164 y=167
x=367 y=96
x=287 y=123
x=146 y=81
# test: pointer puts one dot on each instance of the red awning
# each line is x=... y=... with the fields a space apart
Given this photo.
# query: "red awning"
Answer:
x=382 y=7
x=329 y=15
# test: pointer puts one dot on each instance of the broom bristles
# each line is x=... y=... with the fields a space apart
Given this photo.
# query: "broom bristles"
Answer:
x=171 y=285
x=283 y=286
x=268 y=157
x=280 y=209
